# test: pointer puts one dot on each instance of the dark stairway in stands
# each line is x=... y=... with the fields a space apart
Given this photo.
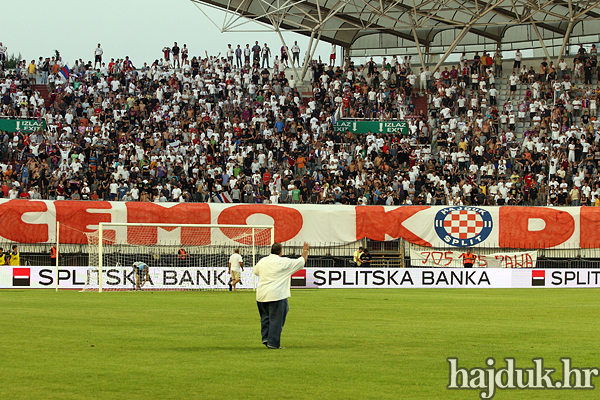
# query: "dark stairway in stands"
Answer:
x=44 y=92
x=420 y=102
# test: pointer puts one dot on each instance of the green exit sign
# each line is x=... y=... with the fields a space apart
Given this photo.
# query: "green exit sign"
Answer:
x=372 y=126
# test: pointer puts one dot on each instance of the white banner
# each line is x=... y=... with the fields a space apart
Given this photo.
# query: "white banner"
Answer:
x=166 y=278
x=120 y=278
x=476 y=278
x=407 y=278
x=454 y=259
x=528 y=228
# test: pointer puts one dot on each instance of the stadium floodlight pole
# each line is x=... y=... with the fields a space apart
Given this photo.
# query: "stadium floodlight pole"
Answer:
x=56 y=263
x=100 y=257
x=253 y=261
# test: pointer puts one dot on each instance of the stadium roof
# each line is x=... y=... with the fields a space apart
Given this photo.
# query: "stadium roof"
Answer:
x=436 y=26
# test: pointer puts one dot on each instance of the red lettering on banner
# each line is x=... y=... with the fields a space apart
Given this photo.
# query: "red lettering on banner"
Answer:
x=374 y=222
x=287 y=221
x=438 y=255
x=446 y=254
x=184 y=213
x=74 y=218
x=514 y=227
x=482 y=262
x=426 y=254
x=14 y=229
x=522 y=260
x=589 y=218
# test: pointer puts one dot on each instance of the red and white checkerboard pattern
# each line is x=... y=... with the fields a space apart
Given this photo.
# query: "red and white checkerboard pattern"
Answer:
x=463 y=224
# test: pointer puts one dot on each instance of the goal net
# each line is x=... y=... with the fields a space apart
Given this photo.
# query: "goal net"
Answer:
x=179 y=257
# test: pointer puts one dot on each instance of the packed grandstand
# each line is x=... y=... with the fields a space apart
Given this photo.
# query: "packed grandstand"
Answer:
x=215 y=129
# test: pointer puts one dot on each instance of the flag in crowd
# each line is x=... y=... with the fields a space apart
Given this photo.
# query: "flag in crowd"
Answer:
x=65 y=72
x=222 y=198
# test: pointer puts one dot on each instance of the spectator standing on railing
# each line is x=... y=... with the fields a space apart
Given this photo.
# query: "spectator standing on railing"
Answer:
x=238 y=57
x=98 y=52
x=517 y=62
x=295 y=54
x=266 y=54
x=256 y=53
x=229 y=54
x=175 y=50
x=31 y=69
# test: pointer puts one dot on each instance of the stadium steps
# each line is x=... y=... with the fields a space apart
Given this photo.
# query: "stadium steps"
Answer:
x=420 y=102
x=386 y=254
x=44 y=92
x=387 y=260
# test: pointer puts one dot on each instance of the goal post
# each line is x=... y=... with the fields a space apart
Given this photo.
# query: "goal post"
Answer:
x=178 y=256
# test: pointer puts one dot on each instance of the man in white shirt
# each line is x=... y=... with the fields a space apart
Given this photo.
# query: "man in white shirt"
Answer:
x=236 y=266
x=518 y=58
x=332 y=56
x=513 y=79
x=273 y=291
x=296 y=53
x=2 y=53
x=422 y=80
x=266 y=53
x=98 y=56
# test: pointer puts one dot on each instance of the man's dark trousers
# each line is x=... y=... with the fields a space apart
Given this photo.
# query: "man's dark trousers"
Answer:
x=272 y=319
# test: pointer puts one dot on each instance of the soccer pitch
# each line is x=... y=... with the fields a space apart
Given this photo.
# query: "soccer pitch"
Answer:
x=339 y=344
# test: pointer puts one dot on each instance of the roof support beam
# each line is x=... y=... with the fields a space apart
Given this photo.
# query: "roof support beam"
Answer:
x=577 y=9
x=565 y=41
x=414 y=31
x=587 y=10
x=488 y=8
x=356 y=21
x=307 y=56
x=514 y=17
x=537 y=32
x=450 y=49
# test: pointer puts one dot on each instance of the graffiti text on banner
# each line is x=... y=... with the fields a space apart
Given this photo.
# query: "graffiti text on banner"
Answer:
x=454 y=259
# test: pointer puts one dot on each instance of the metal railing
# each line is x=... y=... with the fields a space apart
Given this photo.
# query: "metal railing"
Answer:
x=388 y=254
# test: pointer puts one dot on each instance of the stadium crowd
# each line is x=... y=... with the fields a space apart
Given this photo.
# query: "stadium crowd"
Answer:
x=225 y=128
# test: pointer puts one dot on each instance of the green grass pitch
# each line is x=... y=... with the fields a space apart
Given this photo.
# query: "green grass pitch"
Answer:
x=339 y=344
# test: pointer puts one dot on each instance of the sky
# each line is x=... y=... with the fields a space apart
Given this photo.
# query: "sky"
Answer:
x=135 y=28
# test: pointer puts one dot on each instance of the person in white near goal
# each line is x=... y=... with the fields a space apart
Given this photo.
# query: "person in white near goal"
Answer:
x=236 y=266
